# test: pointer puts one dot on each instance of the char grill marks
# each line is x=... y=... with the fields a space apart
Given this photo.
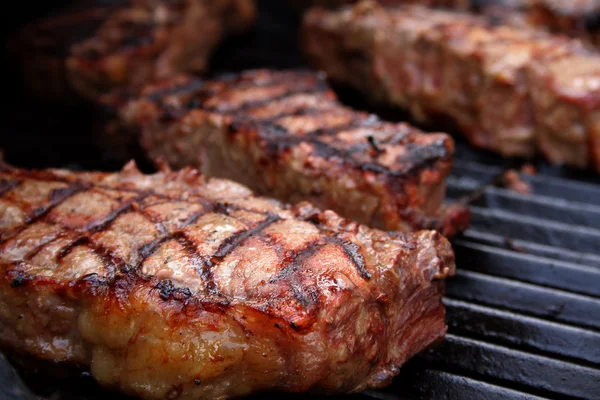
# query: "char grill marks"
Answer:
x=128 y=271
x=295 y=140
x=72 y=230
x=510 y=89
x=93 y=47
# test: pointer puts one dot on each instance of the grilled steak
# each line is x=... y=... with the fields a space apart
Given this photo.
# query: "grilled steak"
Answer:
x=98 y=45
x=579 y=18
x=462 y=4
x=512 y=90
x=285 y=135
x=174 y=286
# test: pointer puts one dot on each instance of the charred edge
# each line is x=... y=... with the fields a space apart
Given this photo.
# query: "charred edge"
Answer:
x=199 y=261
x=19 y=281
x=68 y=248
x=6 y=186
x=148 y=249
x=354 y=254
x=232 y=242
x=194 y=217
x=253 y=79
x=292 y=262
x=373 y=143
x=258 y=103
x=165 y=289
x=170 y=113
x=57 y=197
x=417 y=158
x=300 y=111
x=306 y=296
x=109 y=259
x=105 y=223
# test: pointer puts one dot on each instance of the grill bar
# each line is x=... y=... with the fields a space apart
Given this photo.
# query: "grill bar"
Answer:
x=420 y=383
x=545 y=375
x=525 y=227
x=524 y=267
x=515 y=330
x=551 y=304
x=532 y=248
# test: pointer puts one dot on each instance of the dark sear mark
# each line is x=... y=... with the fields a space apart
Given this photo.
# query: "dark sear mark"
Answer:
x=7 y=185
x=232 y=242
x=374 y=145
x=18 y=281
x=57 y=197
x=355 y=255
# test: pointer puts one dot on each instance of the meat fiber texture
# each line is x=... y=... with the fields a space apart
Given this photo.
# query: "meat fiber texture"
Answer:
x=514 y=90
x=175 y=286
x=97 y=45
x=285 y=135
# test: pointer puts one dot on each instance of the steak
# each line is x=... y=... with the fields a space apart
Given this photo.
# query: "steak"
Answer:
x=175 y=286
x=510 y=89
x=580 y=19
x=285 y=135
x=98 y=45
x=461 y=4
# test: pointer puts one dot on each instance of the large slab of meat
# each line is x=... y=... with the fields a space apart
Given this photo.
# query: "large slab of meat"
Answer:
x=510 y=89
x=285 y=135
x=172 y=286
x=98 y=45
x=462 y=4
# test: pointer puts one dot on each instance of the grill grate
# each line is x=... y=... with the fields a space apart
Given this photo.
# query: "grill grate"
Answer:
x=524 y=308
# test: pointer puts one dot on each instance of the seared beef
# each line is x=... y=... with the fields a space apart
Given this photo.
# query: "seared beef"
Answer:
x=462 y=4
x=98 y=45
x=510 y=89
x=170 y=286
x=285 y=135
x=580 y=18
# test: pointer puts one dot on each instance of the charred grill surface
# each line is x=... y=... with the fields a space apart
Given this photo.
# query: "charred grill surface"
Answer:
x=173 y=286
x=510 y=89
x=284 y=134
x=97 y=45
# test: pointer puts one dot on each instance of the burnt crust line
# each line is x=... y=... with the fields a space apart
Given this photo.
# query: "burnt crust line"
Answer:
x=7 y=185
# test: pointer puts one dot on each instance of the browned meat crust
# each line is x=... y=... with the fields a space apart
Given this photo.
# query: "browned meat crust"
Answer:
x=460 y=4
x=173 y=286
x=579 y=19
x=284 y=134
x=512 y=90
x=99 y=45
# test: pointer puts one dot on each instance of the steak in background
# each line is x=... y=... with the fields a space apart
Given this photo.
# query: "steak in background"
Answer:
x=580 y=18
x=509 y=89
x=285 y=135
x=97 y=45
x=174 y=286
x=461 y=4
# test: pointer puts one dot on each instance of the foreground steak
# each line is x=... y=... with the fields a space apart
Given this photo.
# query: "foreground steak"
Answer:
x=285 y=135
x=98 y=45
x=173 y=286
x=512 y=90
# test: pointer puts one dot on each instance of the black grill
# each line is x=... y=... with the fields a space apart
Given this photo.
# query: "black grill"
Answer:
x=524 y=308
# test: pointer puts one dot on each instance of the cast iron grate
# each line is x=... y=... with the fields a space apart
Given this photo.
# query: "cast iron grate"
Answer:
x=524 y=308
